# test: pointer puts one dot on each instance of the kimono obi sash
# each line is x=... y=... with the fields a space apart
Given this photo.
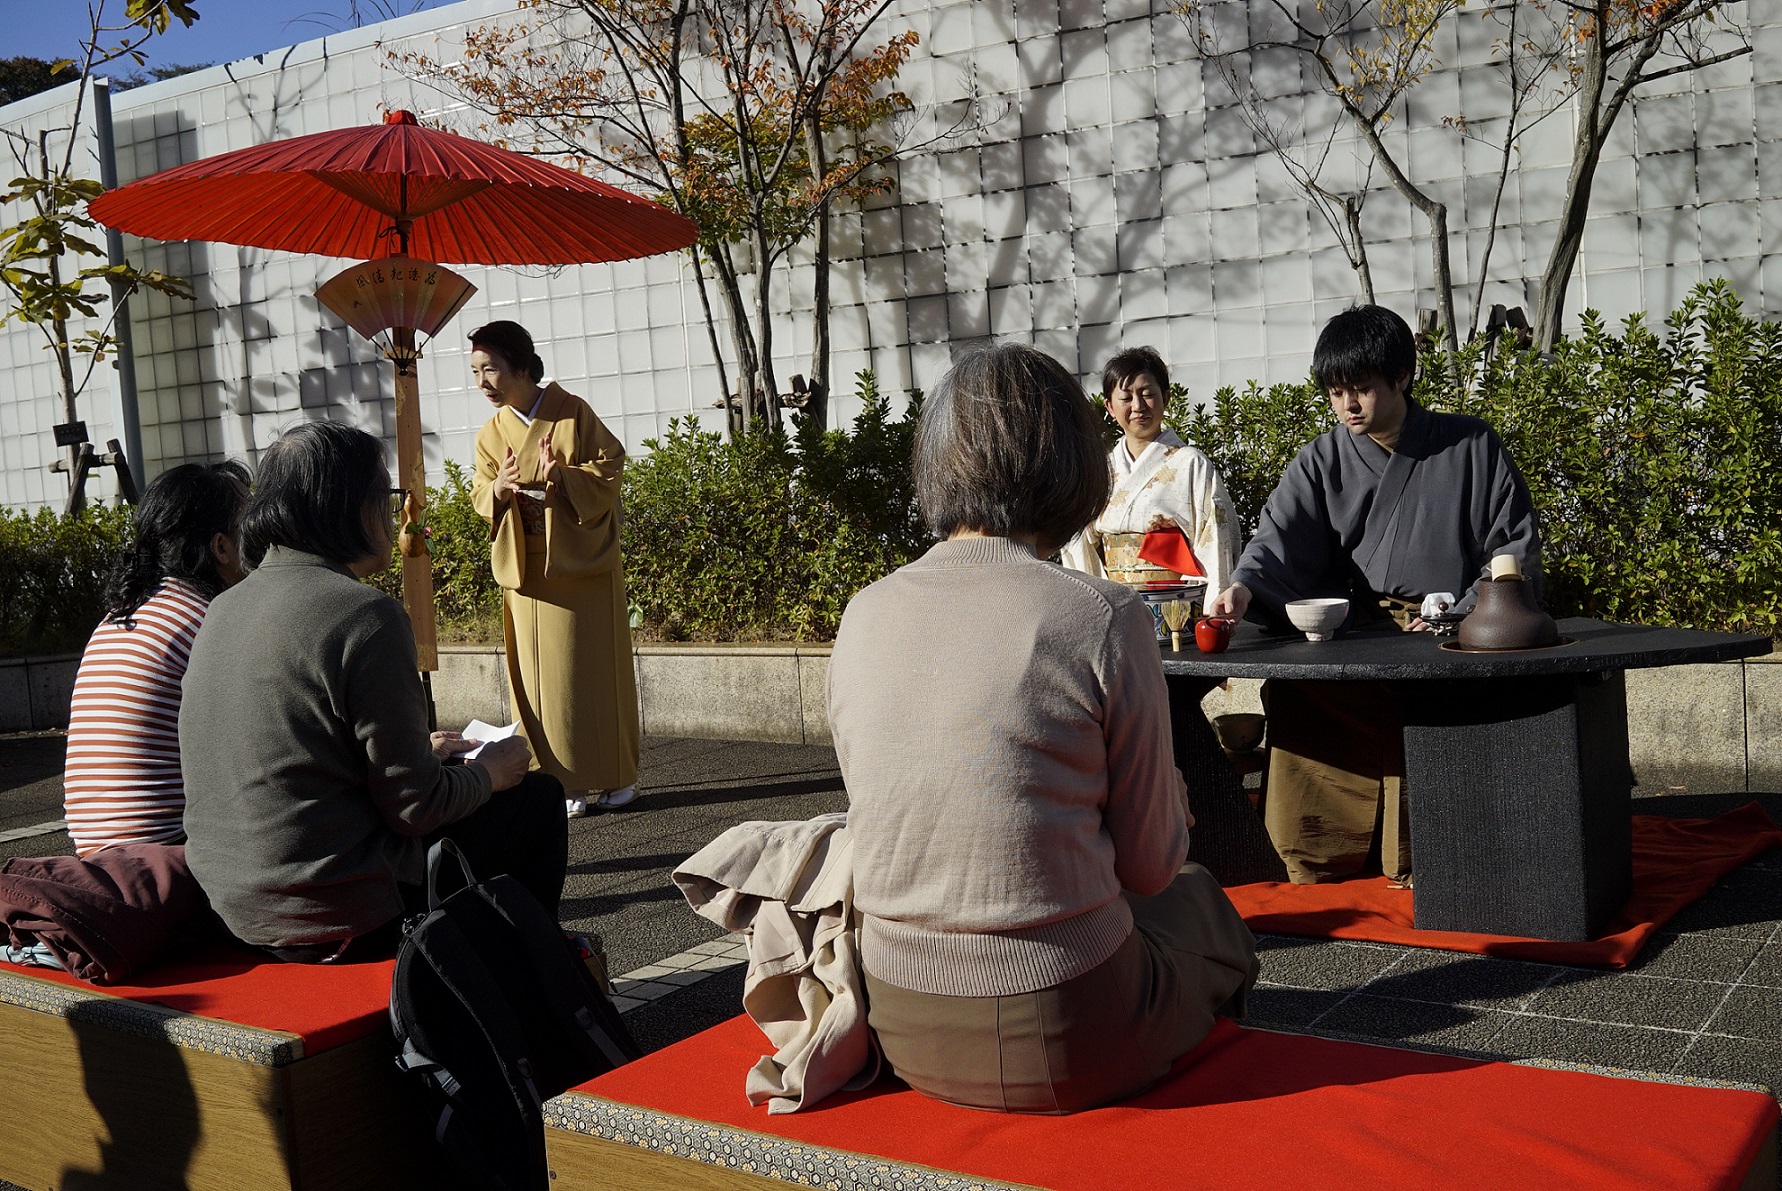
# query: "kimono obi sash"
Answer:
x=1160 y=556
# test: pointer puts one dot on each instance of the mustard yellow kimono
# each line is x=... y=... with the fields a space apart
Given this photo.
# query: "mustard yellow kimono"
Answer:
x=568 y=635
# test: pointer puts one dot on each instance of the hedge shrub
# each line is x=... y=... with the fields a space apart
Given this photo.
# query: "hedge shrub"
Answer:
x=769 y=536
x=55 y=569
x=1654 y=458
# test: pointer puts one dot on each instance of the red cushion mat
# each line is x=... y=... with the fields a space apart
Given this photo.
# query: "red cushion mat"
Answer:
x=1255 y=1110
x=1675 y=861
x=327 y=1005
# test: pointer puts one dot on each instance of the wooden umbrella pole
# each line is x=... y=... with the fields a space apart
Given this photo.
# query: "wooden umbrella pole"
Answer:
x=411 y=466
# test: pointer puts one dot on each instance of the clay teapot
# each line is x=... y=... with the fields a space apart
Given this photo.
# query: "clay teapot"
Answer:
x=1506 y=615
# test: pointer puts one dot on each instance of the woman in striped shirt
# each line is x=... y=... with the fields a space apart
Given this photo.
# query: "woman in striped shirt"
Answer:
x=122 y=782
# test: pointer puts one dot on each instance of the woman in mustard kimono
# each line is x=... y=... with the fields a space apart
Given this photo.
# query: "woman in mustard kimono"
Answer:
x=547 y=481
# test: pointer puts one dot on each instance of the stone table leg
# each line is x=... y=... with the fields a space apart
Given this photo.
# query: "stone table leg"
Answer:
x=1228 y=836
x=1520 y=804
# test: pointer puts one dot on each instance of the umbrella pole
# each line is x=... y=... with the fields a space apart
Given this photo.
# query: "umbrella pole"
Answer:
x=417 y=568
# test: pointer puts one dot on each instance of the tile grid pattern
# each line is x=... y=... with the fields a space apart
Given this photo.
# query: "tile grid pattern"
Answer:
x=653 y=981
x=1704 y=1000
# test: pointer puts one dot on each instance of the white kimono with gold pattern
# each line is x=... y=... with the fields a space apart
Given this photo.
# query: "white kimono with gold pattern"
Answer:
x=1171 y=483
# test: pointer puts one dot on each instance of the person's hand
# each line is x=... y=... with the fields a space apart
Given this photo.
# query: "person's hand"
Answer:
x=449 y=744
x=505 y=761
x=1234 y=601
x=547 y=462
x=507 y=476
x=1419 y=625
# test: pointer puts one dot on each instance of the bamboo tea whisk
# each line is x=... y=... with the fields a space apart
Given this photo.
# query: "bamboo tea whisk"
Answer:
x=1176 y=614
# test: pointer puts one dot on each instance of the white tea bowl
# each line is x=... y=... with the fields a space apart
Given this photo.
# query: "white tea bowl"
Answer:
x=1317 y=619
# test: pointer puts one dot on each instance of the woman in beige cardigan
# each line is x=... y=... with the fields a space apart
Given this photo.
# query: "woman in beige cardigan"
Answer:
x=547 y=481
x=1031 y=938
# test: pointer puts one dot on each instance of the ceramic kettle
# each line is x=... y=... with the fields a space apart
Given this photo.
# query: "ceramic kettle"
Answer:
x=1506 y=615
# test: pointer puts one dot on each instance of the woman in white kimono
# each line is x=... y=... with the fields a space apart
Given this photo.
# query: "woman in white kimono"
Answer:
x=1169 y=514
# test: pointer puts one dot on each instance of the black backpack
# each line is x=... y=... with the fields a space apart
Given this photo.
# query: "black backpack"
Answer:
x=495 y=1014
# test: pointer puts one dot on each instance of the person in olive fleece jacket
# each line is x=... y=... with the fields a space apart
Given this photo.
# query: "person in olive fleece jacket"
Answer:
x=313 y=788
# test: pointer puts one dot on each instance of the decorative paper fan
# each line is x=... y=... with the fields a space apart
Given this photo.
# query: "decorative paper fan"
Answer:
x=395 y=291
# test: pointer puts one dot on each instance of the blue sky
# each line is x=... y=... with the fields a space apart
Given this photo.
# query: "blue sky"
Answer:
x=227 y=30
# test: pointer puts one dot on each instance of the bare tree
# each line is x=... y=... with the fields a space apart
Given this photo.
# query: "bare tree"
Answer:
x=1619 y=46
x=43 y=286
x=1303 y=158
x=1533 y=56
x=755 y=118
x=1366 y=55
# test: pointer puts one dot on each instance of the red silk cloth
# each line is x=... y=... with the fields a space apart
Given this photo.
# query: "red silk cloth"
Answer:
x=1675 y=861
x=1250 y=1110
x=1169 y=549
x=326 y=1005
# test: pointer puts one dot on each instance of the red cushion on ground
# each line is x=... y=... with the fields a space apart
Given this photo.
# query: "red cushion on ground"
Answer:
x=1675 y=861
x=325 y=1004
x=1255 y=1110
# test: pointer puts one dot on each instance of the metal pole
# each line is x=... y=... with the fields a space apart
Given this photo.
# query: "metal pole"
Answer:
x=125 y=358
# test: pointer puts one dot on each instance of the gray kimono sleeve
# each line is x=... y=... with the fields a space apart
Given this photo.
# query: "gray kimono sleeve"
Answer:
x=1294 y=553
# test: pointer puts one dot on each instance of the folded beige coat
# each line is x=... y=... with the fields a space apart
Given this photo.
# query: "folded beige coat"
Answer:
x=789 y=888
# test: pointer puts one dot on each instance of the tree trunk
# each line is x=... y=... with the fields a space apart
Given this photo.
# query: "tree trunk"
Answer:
x=819 y=373
x=1436 y=213
x=741 y=339
x=65 y=373
x=1444 y=279
x=1587 y=147
x=1364 y=272
x=1497 y=198
x=764 y=331
x=711 y=321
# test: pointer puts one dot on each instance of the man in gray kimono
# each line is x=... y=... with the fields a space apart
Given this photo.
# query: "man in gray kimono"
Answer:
x=1392 y=505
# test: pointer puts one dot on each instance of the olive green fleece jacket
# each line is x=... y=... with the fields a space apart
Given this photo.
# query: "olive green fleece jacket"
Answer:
x=310 y=779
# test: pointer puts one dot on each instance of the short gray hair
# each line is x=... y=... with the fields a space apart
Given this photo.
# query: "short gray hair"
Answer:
x=1008 y=444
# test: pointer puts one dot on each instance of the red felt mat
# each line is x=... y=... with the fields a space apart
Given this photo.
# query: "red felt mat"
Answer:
x=325 y=1004
x=1675 y=861
x=1256 y=1111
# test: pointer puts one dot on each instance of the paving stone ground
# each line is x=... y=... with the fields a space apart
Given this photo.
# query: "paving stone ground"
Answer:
x=1704 y=1000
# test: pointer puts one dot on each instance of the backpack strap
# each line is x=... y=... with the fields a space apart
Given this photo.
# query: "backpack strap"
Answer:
x=575 y=1000
x=435 y=861
x=413 y=1060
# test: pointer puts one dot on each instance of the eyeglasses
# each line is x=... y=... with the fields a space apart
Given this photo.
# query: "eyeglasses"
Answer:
x=398 y=498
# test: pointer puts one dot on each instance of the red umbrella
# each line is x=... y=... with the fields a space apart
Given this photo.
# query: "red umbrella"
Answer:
x=349 y=192
x=409 y=196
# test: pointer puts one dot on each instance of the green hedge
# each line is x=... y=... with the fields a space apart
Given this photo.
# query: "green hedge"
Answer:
x=1653 y=455
x=55 y=568
x=768 y=537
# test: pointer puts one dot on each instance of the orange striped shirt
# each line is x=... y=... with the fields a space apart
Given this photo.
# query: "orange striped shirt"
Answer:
x=122 y=783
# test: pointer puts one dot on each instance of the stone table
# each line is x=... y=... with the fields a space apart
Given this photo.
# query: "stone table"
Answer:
x=1515 y=764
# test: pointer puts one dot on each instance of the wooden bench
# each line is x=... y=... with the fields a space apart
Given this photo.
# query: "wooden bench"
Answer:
x=226 y=1073
x=1249 y=1110
x=220 y=1073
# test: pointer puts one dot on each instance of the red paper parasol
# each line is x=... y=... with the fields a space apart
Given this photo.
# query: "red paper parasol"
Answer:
x=345 y=193
x=407 y=197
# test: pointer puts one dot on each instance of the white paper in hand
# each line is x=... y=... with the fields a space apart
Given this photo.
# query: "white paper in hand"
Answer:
x=479 y=731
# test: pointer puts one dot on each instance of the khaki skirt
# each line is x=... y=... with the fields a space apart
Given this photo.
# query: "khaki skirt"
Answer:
x=1103 y=1036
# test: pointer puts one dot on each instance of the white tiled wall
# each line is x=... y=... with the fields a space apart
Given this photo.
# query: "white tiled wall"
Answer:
x=1112 y=195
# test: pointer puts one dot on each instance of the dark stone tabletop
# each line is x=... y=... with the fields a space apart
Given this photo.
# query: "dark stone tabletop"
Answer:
x=1599 y=646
